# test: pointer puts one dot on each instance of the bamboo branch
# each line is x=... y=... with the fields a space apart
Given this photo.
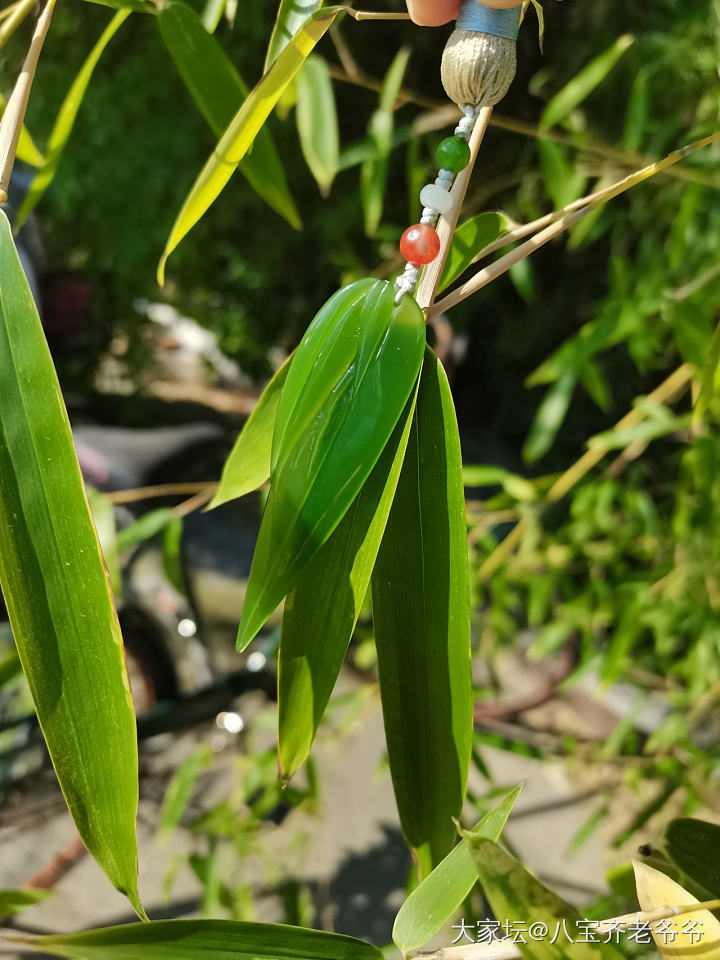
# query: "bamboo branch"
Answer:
x=373 y=15
x=18 y=13
x=485 y=276
x=441 y=114
x=557 y=222
x=14 y=114
x=430 y=279
x=671 y=388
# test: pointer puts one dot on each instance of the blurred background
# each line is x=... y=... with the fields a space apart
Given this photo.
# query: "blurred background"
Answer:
x=596 y=627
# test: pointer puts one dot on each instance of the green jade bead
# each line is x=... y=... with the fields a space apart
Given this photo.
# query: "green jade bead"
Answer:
x=453 y=154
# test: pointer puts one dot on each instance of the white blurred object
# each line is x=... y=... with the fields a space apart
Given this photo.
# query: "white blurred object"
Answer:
x=193 y=341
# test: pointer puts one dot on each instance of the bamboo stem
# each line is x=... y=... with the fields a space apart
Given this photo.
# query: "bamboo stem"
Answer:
x=14 y=114
x=430 y=279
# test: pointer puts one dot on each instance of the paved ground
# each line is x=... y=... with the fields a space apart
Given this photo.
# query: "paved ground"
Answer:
x=354 y=858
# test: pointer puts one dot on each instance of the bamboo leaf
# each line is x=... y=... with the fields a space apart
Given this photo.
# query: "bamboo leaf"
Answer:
x=374 y=171
x=62 y=128
x=549 y=417
x=694 y=847
x=177 y=795
x=322 y=609
x=103 y=514
x=440 y=895
x=421 y=609
x=149 y=525
x=291 y=16
x=219 y=91
x=26 y=149
x=134 y=6
x=468 y=240
x=317 y=122
x=583 y=84
x=710 y=378
x=346 y=388
x=212 y=14
x=15 y=901
x=516 y=895
x=248 y=465
x=675 y=938
x=57 y=593
x=242 y=131
x=204 y=940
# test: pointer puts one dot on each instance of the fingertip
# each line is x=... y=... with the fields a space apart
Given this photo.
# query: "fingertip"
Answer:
x=432 y=13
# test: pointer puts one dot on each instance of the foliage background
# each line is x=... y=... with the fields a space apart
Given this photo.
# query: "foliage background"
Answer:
x=641 y=275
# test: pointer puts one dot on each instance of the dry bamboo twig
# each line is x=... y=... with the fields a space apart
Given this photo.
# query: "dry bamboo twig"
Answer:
x=159 y=490
x=441 y=114
x=485 y=276
x=18 y=13
x=668 y=390
x=14 y=114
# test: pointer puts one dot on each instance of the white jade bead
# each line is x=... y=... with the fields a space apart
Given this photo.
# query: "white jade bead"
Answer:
x=436 y=197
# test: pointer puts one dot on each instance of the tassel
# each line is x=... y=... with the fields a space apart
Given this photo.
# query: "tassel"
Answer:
x=480 y=58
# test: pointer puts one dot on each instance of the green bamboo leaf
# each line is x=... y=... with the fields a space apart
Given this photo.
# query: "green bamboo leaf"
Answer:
x=243 y=130
x=374 y=171
x=219 y=91
x=694 y=847
x=564 y=182
x=62 y=128
x=317 y=122
x=583 y=83
x=204 y=940
x=346 y=388
x=134 y=6
x=469 y=239
x=57 y=593
x=212 y=14
x=172 y=553
x=644 y=432
x=710 y=378
x=515 y=895
x=103 y=513
x=10 y=670
x=149 y=525
x=177 y=795
x=248 y=465
x=322 y=609
x=440 y=895
x=26 y=149
x=15 y=901
x=549 y=417
x=421 y=609
x=291 y=16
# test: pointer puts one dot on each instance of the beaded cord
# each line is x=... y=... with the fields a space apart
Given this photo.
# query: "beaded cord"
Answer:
x=408 y=280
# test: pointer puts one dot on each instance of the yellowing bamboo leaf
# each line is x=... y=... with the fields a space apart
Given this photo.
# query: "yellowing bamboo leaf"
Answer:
x=219 y=91
x=239 y=136
x=685 y=937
